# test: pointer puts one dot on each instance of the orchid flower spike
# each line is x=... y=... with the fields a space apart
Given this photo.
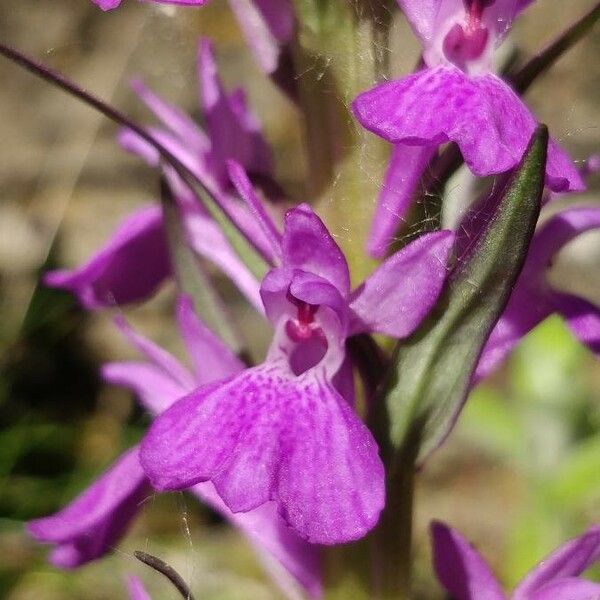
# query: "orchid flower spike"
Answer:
x=268 y=25
x=135 y=262
x=281 y=432
x=456 y=98
x=466 y=576
x=232 y=132
x=93 y=523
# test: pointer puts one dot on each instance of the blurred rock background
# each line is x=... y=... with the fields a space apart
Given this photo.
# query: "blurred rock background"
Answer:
x=519 y=474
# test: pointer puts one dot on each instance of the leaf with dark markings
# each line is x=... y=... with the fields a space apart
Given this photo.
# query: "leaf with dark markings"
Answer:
x=431 y=373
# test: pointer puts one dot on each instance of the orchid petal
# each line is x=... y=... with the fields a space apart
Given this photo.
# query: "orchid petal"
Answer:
x=107 y=4
x=582 y=317
x=569 y=560
x=307 y=245
x=421 y=15
x=525 y=310
x=155 y=389
x=269 y=435
x=403 y=174
x=400 y=293
x=317 y=291
x=206 y=238
x=211 y=358
x=267 y=24
x=558 y=231
x=158 y=356
x=460 y=568
x=136 y=589
x=569 y=588
x=242 y=183
x=93 y=523
x=232 y=134
x=129 y=268
x=481 y=114
x=175 y=119
x=343 y=381
x=134 y=144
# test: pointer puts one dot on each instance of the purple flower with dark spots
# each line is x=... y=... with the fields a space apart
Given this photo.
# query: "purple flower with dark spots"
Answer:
x=466 y=576
x=281 y=431
x=94 y=522
x=456 y=98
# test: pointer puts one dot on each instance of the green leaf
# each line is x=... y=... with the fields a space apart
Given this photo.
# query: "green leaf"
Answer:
x=431 y=372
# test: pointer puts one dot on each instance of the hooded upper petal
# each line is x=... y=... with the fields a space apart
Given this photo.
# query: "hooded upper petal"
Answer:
x=308 y=245
x=399 y=294
x=570 y=560
x=270 y=435
x=460 y=568
x=481 y=114
x=476 y=28
x=129 y=268
x=91 y=524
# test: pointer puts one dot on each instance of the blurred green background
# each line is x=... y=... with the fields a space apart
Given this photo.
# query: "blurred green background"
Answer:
x=520 y=473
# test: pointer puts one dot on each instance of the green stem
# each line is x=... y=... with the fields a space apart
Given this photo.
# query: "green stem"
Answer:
x=342 y=50
x=392 y=539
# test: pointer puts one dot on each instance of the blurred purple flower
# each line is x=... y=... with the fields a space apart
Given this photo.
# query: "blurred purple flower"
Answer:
x=267 y=25
x=533 y=299
x=130 y=267
x=135 y=261
x=456 y=98
x=466 y=575
x=93 y=523
x=232 y=132
x=281 y=431
x=136 y=589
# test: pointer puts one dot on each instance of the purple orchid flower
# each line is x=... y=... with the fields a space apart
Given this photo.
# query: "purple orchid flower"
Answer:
x=533 y=299
x=135 y=261
x=267 y=25
x=456 y=98
x=281 y=432
x=232 y=133
x=130 y=267
x=466 y=575
x=136 y=589
x=93 y=523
